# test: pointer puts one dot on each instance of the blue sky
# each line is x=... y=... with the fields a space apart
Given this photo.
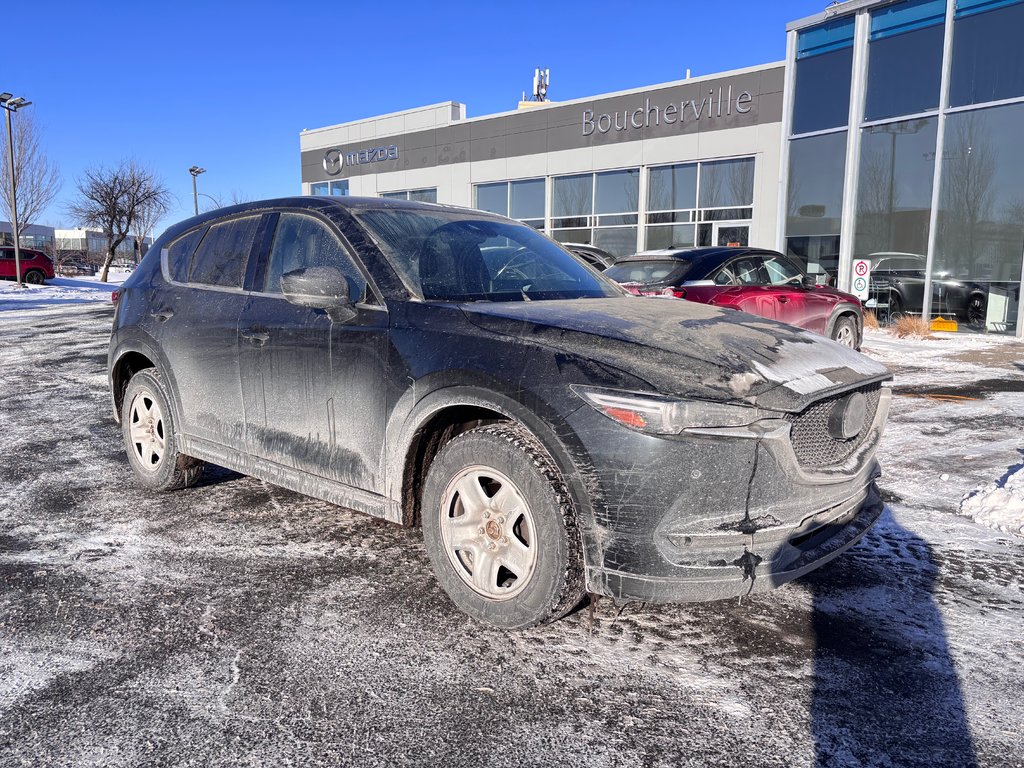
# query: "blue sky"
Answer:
x=229 y=86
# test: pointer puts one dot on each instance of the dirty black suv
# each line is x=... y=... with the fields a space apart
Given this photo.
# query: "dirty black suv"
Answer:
x=455 y=370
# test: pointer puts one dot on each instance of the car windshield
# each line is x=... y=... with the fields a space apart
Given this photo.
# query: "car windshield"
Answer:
x=647 y=272
x=446 y=256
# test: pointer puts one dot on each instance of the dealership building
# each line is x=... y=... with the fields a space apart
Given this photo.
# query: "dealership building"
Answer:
x=890 y=128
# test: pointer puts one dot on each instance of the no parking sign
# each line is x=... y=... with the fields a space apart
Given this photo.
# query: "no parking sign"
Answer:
x=861 y=277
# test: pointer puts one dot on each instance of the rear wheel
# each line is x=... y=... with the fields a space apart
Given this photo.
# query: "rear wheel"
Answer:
x=845 y=332
x=34 y=277
x=148 y=429
x=976 y=310
x=500 y=530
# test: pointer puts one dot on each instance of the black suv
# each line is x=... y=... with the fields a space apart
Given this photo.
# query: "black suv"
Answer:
x=457 y=370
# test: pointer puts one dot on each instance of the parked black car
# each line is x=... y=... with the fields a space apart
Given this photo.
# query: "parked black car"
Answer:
x=897 y=286
x=550 y=432
x=596 y=257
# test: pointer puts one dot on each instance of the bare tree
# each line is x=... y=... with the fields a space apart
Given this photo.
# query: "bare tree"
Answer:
x=35 y=176
x=148 y=217
x=112 y=200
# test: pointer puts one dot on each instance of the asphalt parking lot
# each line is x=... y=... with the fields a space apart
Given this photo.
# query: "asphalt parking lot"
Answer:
x=236 y=623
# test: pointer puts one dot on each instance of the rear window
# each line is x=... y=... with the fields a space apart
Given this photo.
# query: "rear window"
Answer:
x=647 y=272
x=222 y=255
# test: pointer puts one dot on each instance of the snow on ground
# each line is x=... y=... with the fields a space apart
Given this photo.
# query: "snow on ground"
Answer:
x=58 y=291
x=236 y=623
x=1000 y=506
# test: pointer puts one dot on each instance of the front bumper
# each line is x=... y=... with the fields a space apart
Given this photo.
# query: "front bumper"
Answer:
x=722 y=513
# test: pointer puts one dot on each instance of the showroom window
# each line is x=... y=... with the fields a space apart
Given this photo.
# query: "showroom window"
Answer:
x=979 y=241
x=988 y=58
x=894 y=190
x=905 y=59
x=707 y=203
x=320 y=188
x=824 y=61
x=522 y=200
x=815 y=201
x=336 y=188
x=600 y=209
x=418 y=195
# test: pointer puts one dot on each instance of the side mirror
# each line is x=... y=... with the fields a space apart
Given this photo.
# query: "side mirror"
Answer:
x=319 y=288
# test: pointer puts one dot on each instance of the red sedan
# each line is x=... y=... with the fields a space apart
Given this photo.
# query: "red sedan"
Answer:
x=752 y=280
x=36 y=266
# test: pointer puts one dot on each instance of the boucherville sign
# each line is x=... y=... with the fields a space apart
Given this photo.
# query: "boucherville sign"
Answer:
x=714 y=105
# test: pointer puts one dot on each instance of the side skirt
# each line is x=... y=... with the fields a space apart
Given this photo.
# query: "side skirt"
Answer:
x=293 y=479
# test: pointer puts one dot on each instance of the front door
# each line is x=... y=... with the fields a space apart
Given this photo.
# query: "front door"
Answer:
x=313 y=388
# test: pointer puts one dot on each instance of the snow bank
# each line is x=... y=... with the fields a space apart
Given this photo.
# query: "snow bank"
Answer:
x=1000 y=505
x=59 y=291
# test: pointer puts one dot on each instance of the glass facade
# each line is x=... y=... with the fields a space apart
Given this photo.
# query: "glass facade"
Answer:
x=601 y=209
x=419 y=195
x=704 y=203
x=920 y=120
x=522 y=200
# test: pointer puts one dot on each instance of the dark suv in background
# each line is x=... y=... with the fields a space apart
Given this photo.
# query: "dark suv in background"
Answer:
x=460 y=371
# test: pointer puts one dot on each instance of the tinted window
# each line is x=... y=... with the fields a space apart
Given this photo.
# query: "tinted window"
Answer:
x=645 y=272
x=448 y=256
x=527 y=199
x=572 y=196
x=618 y=192
x=222 y=255
x=492 y=198
x=179 y=255
x=672 y=188
x=780 y=271
x=988 y=58
x=905 y=59
x=301 y=242
x=823 y=67
x=727 y=183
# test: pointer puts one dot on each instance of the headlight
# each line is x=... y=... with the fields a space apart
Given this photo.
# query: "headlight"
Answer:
x=665 y=415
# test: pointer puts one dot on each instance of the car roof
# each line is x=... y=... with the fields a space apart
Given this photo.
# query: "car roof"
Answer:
x=322 y=203
x=702 y=260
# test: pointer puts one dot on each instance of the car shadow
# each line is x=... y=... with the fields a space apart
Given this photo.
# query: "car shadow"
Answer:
x=886 y=690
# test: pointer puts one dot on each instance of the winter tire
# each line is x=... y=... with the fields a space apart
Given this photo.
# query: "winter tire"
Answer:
x=34 y=277
x=845 y=332
x=148 y=428
x=500 y=530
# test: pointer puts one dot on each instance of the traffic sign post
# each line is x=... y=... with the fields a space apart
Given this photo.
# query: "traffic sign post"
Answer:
x=861 y=278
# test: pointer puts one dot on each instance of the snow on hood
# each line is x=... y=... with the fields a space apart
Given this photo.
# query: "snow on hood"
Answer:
x=686 y=348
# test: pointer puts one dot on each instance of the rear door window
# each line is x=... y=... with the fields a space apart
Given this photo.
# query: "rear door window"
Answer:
x=743 y=271
x=179 y=255
x=301 y=242
x=223 y=254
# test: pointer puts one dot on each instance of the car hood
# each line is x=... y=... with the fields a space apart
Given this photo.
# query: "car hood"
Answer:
x=688 y=349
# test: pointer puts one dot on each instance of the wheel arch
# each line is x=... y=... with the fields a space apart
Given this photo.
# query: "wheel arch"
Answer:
x=847 y=309
x=439 y=417
x=128 y=358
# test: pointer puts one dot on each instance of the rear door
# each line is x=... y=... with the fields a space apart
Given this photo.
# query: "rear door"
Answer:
x=314 y=389
x=196 y=325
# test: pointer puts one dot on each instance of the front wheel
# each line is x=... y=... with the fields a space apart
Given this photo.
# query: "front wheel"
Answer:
x=500 y=530
x=148 y=429
x=976 y=310
x=845 y=332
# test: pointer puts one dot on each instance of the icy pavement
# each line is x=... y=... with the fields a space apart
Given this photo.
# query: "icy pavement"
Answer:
x=237 y=623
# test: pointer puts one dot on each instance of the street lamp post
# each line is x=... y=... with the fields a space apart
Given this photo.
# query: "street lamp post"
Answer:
x=195 y=170
x=11 y=104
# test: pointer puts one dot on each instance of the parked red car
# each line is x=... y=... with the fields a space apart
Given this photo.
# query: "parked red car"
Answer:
x=752 y=280
x=35 y=265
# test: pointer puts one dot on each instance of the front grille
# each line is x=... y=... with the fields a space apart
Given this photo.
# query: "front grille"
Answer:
x=812 y=443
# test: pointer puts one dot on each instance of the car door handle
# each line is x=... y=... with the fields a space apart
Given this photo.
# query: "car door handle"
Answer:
x=162 y=315
x=259 y=338
x=783 y=299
